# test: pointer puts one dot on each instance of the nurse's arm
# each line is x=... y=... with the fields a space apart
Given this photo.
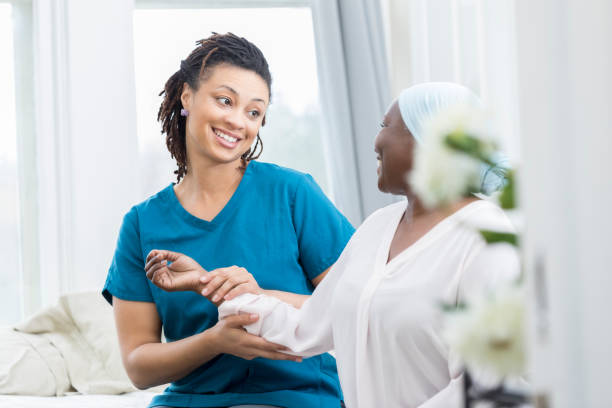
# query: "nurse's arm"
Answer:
x=218 y=285
x=320 y=277
x=149 y=362
x=292 y=298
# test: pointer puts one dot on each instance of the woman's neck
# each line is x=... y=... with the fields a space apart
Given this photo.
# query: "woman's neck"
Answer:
x=210 y=180
x=418 y=211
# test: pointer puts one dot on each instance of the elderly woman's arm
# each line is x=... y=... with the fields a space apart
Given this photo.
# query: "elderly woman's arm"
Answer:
x=306 y=331
x=149 y=362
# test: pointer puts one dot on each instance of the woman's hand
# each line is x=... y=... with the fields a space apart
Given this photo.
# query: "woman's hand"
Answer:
x=227 y=283
x=173 y=271
x=231 y=338
x=183 y=273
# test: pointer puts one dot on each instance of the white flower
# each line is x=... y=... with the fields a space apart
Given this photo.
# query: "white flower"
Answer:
x=442 y=175
x=489 y=334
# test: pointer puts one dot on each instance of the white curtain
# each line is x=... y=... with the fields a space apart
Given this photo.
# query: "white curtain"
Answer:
x=471 y=42
x=355 y=84
x=363 y=38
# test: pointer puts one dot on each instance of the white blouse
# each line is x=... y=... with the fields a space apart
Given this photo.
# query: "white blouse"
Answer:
x=384 y=319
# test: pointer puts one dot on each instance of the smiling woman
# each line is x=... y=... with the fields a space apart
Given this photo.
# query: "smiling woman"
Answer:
x=208 y=96
x=233 y=117
x=295 y=114
x=226 y=209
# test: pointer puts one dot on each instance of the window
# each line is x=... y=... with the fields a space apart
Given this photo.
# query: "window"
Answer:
x=292 y=136
x=10 y=273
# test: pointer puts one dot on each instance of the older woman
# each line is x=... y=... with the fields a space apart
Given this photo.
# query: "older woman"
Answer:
x=378 y=305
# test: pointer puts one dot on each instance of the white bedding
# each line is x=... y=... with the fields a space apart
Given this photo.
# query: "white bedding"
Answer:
x=138 y=399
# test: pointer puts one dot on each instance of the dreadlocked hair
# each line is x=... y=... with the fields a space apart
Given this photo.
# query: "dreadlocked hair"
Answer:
x=210 y=52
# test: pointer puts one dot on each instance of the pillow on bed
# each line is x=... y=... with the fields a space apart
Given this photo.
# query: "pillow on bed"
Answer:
x=82 y=329
x=31 y=365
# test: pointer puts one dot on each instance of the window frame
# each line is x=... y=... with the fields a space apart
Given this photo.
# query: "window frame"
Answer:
x=55 y=232
x=27 y=182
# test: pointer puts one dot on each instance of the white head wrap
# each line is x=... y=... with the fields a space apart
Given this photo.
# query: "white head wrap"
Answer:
x=420 y=102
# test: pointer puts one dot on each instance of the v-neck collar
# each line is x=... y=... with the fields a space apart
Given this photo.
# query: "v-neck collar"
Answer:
x=226 y=211
x=429 y=237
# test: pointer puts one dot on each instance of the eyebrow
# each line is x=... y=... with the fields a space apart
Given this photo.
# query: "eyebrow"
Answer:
x=232 y=90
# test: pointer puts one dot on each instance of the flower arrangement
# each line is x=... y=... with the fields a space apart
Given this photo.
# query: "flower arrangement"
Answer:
x=456 y=159
x=488 y=334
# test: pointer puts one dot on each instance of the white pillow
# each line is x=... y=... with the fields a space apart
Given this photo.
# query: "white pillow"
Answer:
x=31 y=365
x=81 y=328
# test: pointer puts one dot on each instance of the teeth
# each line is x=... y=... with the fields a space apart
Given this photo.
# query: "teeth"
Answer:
x=225 y=137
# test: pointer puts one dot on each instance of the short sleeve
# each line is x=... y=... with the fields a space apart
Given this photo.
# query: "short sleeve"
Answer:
x=126 y=276
x=321 y=229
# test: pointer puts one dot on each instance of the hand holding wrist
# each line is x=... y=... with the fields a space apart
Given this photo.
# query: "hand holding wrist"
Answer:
x=227 y=283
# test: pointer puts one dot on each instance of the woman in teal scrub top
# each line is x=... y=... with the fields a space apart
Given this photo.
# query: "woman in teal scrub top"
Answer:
x=260 y=226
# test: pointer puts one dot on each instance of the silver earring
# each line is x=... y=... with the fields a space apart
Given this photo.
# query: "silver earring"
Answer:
x=184 y=112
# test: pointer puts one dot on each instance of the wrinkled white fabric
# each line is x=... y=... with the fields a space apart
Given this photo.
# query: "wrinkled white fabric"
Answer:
x=82 y=330
x=31 y=365
x=384 y=319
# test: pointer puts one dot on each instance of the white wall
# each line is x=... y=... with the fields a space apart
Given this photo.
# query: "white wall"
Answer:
x=565 y=61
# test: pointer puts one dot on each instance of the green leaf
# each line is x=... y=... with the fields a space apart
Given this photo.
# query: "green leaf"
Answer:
x=476 y=148
x=449 y=308
x=493 y=237
x=469 y=145
x=507 y=197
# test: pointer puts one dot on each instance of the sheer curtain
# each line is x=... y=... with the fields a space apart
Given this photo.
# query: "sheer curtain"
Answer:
x=471 y=42
x=367 y=77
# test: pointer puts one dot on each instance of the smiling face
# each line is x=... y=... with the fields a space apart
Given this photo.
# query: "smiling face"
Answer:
x=394 y=147
x=225 y=114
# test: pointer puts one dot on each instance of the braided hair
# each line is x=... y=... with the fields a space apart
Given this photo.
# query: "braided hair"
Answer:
x=210 y=52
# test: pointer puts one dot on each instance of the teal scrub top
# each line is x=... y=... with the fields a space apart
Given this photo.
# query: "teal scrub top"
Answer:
x=278 y=225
